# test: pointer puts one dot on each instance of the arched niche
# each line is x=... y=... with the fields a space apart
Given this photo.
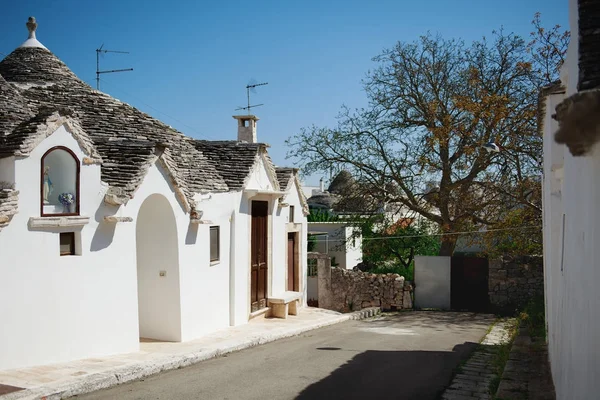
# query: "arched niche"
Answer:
x=59 y=182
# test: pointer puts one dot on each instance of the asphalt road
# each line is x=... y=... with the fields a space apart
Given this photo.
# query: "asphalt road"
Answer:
x=399 y=356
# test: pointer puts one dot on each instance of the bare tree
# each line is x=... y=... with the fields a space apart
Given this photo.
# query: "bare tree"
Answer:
x=433 y=104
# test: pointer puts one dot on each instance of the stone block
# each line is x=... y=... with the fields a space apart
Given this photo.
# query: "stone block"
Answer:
x=407 y=300
x=279 y=310
x=293 y=307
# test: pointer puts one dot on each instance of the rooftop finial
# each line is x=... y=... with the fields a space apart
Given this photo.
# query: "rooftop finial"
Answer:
x=31 y=40
x=31 y=26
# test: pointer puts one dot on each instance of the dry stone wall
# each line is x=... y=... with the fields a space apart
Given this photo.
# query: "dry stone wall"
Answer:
x=355 y=290
x=515 y=280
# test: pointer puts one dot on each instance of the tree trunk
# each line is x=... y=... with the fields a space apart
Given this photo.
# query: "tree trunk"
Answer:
x=448 y=245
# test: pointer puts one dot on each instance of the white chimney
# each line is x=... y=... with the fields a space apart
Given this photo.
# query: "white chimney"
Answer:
x=322 y=185
x=246 y=128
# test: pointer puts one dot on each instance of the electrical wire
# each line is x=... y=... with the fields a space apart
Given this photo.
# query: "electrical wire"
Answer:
x=433 y=234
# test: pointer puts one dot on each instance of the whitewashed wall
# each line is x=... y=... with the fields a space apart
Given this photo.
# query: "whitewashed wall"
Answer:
x=572 y=270
x=299 y=226
x=59 y=308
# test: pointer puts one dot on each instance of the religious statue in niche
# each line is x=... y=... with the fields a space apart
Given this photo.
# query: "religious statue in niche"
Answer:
x=48 y=187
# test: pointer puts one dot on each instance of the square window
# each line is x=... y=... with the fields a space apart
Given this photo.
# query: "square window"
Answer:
x=291 y=219
x=67 y=244
x=214 y=244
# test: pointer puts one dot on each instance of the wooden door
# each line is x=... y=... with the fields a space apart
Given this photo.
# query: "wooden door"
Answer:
x=292 y=284
x=259 y=255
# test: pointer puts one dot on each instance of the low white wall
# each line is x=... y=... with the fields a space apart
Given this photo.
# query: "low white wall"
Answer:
x=432 y=282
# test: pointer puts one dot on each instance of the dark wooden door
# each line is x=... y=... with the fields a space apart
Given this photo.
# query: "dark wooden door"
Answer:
x=259 y=255
x=469 y=283
x=291 y=262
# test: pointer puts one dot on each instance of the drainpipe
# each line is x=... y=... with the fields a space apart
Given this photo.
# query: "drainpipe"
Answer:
x=232 y=269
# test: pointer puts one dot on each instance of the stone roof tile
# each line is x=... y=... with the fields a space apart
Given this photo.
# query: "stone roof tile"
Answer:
x=233 y=160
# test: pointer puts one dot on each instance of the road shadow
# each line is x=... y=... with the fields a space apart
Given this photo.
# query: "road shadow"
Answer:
x=421 y=375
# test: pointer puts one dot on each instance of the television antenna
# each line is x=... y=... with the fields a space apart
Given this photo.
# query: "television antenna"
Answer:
x=250 y=87
x=98 y=72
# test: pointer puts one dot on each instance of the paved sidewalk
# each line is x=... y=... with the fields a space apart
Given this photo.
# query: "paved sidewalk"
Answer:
x=527 y=373
x=63 y=380
x=473 y=381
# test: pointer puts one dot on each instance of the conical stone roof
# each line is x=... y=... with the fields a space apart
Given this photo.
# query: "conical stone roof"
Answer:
x=36 y=83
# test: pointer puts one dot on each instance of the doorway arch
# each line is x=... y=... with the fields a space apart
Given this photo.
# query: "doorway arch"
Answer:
x=157 y=251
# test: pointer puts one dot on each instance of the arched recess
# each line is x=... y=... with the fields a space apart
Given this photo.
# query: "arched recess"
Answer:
x=59 y=182
x=159 y=306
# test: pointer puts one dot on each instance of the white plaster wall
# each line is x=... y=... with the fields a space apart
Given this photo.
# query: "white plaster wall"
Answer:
x=7 y=169
x=281 y=228
x=293 y=198
x=338 y=243
x=157 y=253
x=205 y=286
x=240 y=283
x=354 y=248
x=432 y=282
x=240 y=254
x=259 y=178
x=573 y=300
x=62 y=308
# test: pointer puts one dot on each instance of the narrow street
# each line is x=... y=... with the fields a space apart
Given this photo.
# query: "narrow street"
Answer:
x=399 y=356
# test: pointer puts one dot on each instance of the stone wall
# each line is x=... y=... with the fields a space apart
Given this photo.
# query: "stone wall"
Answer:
x=514 y=280
x=355 y=290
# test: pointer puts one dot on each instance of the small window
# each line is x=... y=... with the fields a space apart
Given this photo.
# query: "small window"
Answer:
x=291 y=214
x=67 y=244
x=214 y=244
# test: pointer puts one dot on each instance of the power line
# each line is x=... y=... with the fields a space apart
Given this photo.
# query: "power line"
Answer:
x=435 y=234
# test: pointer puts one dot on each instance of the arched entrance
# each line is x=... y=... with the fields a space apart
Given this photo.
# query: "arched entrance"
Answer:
x=157 y=252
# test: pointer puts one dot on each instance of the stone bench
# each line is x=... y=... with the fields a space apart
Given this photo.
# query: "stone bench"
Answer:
x=284 y=304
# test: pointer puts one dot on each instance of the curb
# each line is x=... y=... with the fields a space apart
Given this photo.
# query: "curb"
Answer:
x=365 y=313
x=473 y=379
x=140 y=370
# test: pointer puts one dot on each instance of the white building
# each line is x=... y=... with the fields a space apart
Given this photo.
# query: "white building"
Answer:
x=166 y=237
x=571 y=217
x=339 y=240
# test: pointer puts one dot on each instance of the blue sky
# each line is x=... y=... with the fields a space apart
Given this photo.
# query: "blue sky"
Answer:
x=193 y=59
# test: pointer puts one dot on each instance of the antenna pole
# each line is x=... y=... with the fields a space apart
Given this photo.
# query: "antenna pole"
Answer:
x=98 y=72
x=248 y=87
x=248 y=93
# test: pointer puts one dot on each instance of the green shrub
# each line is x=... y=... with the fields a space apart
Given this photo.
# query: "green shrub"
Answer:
x=534 y=317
